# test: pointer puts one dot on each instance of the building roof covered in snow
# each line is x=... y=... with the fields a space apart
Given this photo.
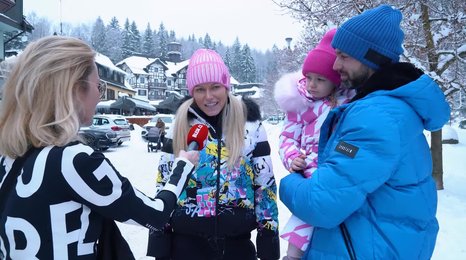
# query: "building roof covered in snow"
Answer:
x=105 y=61
x=174 y=67
x=137 y=64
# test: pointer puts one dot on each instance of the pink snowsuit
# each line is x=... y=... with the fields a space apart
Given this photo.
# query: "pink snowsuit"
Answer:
x=300 y=134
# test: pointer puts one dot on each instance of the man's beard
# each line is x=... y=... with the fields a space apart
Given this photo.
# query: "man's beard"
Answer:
x=346 y=85
x=359 y=79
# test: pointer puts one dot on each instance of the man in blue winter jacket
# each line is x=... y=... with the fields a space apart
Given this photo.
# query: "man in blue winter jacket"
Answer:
x=373 y=196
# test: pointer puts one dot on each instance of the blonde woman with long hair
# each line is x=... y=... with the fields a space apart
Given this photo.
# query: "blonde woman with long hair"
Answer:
x=233 y=190
x=55 y=190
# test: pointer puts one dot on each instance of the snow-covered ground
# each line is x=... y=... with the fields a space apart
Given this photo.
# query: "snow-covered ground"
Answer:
x=139 y=166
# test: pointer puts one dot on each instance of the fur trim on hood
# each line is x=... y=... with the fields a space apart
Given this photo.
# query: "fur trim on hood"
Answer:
x=254 y=112
x=286 y=93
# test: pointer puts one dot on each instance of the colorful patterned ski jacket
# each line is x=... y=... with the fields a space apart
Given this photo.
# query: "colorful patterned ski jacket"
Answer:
x=373 y=189
x=304 y=117
x=246 y=197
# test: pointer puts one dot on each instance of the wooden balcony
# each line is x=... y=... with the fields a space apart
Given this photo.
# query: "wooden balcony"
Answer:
x=157 y=85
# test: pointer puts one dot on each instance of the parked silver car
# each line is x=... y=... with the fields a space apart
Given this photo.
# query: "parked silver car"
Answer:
x=118 y=124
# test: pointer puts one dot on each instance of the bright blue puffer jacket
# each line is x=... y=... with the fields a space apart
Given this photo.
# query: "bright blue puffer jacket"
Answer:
x=374 y=176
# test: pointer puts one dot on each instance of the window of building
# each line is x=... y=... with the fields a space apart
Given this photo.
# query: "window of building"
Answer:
x=110 y=94
x=100 y=71
x=142 y=92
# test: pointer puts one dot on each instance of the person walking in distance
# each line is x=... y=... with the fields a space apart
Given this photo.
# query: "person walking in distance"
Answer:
x=161 y=126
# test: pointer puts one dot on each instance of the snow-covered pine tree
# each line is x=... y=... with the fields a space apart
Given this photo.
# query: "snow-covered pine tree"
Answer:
x=98 y=35
x=148 y=47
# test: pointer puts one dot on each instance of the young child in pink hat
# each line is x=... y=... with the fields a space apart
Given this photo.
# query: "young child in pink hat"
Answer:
x=307 y=102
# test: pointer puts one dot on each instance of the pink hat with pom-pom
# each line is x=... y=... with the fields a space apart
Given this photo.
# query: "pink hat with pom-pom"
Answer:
x=320 y=59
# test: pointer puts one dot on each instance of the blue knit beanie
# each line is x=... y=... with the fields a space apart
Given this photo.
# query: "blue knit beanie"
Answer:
x=374 y=37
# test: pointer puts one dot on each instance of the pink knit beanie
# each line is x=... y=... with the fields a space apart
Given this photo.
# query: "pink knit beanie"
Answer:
x=320 y=60
x=206 y=66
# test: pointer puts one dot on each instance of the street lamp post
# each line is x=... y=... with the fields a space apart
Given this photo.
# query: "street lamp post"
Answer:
x=288 y=42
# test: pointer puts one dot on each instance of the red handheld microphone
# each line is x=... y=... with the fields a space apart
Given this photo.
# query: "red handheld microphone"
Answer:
x=197 y=137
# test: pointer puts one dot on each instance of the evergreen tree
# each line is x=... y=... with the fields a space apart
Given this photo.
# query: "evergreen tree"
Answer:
x=207 y=43
x=220 y=48
x=236 y=59
x=135 y=37
x=114 y=42
x=114 y=23
x=227 y=58
x=273 y=65
x=148 y=47
x=98 y=35
x=162 y=36
x=188 y=47
x=155 y=36
x=126 y=48
x=172 y=37
x=260 y=61
x=248 y=66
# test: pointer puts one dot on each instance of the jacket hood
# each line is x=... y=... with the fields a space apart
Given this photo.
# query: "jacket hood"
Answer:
x=405 y=82
x=427 y=99
x=253 y=109
x=287 y=94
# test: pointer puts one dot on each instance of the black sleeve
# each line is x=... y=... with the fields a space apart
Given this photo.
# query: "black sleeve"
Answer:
x=159 y=245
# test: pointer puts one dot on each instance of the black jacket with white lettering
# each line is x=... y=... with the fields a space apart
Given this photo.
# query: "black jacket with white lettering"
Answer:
x=56 y=209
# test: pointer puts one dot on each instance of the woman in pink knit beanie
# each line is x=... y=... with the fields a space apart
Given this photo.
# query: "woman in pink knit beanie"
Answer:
x=307 y=102
x=232 y=190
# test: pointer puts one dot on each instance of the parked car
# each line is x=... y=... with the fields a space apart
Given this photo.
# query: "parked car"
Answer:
x=168 y=119
x=273 y=119
x=116 y=123
x=462 y=124
x=99 y=139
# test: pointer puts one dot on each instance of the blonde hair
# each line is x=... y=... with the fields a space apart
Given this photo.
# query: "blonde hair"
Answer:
x=39 y=106
x=233 y=124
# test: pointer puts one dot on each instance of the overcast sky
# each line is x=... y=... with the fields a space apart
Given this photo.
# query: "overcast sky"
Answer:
x=259 y=23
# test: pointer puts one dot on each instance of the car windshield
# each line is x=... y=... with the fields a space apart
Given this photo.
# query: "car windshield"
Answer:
x=120 y=122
